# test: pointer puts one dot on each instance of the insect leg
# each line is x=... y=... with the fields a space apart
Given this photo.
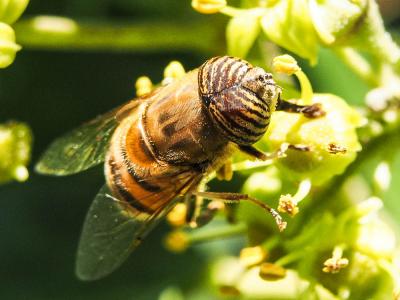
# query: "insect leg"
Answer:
x=236 y=197
x=281 y=152
x=225 y=172
x=203 y=211
x=309 y=111
x=254 y=152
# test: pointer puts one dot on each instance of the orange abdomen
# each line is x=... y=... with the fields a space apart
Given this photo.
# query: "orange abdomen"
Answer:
x=162 y=149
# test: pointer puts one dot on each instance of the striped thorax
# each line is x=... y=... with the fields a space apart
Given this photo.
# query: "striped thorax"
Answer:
x=239 y=97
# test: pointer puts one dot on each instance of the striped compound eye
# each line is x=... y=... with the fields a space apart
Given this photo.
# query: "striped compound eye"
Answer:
x=240 y=97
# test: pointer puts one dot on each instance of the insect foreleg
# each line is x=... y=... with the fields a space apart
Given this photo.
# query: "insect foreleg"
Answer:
x=309 y=111
x=236 y=198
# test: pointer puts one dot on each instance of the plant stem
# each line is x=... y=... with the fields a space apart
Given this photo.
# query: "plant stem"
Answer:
x=289 y=258
x=59 y=33
x=358 y=65
x=208 y=234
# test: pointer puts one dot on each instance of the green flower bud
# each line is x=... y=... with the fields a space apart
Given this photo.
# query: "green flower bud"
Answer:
x=15 y=148
x=8 y=47
x=333 y=19
x=143 y=86
x=376 y=238
x=265 y=186
x=11 y=10
x=176 y=241
x=367 y=279
x=208 y=6
x=242 y=31
x=225 y=273
x=323 y=147
x=372 y=37
x=234 y=279
x=171 y=293
x=252 y=286
x=288 y=23
x=174 y=70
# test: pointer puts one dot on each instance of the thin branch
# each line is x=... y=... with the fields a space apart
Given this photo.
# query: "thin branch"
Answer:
x=58 y=33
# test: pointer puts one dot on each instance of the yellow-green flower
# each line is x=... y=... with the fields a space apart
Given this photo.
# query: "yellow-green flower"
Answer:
x=323 y=147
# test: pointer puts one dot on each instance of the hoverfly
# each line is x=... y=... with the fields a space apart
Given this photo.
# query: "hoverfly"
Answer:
x=158 y=148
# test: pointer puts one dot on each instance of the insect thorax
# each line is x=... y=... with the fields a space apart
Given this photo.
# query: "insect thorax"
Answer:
x=239 y=97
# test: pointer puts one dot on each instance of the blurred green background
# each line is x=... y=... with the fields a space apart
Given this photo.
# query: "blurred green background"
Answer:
x=56 y=90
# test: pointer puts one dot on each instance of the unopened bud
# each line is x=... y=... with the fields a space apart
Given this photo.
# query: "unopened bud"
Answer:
x=285 y=64
x=8 y=47
x=270 y=272
x=143 y=86
x=208 y=6
x=15 y=147
x=176 y=241
x=177 y=216
x=383 y=176
x=174 y=70
x=11 y=10
x=251 y=256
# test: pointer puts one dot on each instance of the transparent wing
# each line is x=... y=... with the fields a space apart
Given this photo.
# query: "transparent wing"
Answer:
x=110 y=234
x=83 y=147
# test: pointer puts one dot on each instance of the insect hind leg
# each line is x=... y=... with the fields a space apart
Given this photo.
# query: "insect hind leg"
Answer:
x=200 y=211
x=236 y=198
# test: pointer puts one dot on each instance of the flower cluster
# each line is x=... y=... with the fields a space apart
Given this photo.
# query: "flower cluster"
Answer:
x=303 y=26
x=334 y=254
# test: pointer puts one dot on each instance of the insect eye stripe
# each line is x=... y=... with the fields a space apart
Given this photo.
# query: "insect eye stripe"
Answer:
x=248 y=96
x=205 y=76
x=235 y=127
x=239 y=71
x=243 y=121
x=216 y=73
x=242 y=100
x=231 y=131
x=224 y=80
